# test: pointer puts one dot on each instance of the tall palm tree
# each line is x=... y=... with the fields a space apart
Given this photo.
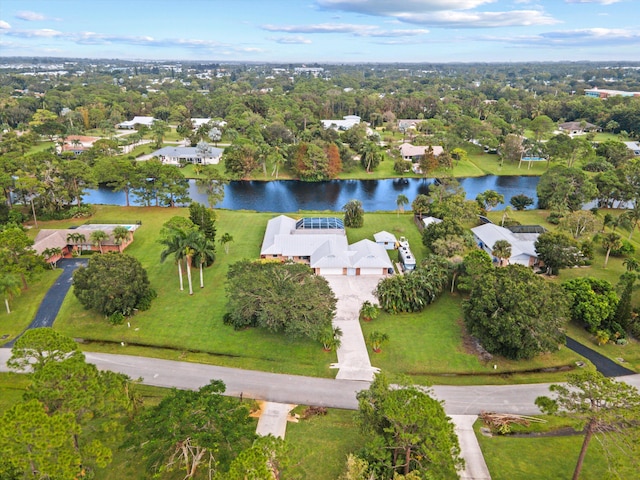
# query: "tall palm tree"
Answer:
x=610 y=241
x=76 y=238
x=501 y=250
x=98 y=237
x=120 y=234
x=632 y=218
x=401 y=201
x=9 y=287
x=204 y=252
x=174 y=246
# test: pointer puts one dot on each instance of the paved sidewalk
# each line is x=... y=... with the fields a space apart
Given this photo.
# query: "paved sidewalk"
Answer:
x=353 y=357
x=475 y=467
x=273 y=419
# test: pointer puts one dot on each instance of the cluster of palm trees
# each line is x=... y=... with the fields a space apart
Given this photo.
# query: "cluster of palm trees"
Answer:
x=189 y=247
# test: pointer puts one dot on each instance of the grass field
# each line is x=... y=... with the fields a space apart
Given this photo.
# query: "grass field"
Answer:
x=539 y=458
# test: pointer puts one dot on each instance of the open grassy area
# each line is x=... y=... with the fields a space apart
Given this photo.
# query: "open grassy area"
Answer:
x=539 y=458
x=25 y=305
x=321 y=444
x=492 y=165
x=428 y=347
x=12 y=387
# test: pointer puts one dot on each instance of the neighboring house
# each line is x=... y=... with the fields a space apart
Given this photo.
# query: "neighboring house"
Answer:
x=523 y=251
x=604 y=93
x=198 y=122
x=184 y=155
x=385 y=239
x=634 y=147
x=131 y=124
x=77 y=144
x=429 y=220
x=346 y=123
x=408 y=124
x=578 y=128
x=322 y=244
x=64 y=240
x=415 y=153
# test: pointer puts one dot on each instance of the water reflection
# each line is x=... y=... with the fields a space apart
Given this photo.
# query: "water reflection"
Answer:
x=291 y=195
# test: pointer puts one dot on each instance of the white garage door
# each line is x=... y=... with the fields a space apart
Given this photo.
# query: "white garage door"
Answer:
x=331 y=271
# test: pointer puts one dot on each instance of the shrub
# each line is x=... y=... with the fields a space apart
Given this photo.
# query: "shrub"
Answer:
x=116 y=318
x=626 y=249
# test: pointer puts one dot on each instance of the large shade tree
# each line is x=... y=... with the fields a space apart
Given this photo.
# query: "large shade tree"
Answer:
x=515 y=313
x=408 y=431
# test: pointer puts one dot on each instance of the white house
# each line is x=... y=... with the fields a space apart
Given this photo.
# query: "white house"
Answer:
x=429 y=220
x=414 y=153
x=346 y=123
x=634 y=147
x=183 y=155
x=578 y=128
x=523 y=251
x=387 y=240
x=131 y=124
x=322 y=244
x=198 y=122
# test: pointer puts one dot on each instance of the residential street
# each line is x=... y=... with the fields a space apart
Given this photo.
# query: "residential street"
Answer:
x=293 y=389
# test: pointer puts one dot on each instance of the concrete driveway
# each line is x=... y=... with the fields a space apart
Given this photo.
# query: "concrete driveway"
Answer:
x=351 y=292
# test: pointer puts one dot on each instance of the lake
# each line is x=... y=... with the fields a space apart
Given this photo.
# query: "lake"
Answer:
x=292 y=195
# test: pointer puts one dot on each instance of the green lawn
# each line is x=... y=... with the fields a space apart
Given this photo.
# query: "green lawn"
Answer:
x=184 y=324
x=321 y=444
x=25 y=305
x=427 y=346
x=540 y=458
x=12 y=387
x=491 y=165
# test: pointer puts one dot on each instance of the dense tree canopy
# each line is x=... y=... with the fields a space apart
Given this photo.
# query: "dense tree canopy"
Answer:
x=593 y=302
x=286 y=298
x=557 y=251
x=565 y=187
x=515 y=313
x=113 y=283
x=408 y=432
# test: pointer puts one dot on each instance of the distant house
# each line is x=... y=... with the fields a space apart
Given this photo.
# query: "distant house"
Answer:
x=346 y=123
x=79 y=240
x=198 y=122
x=183 y=155
x=415 y=153
x=385 y=239
x=523 y=251
x=605 y=93
x=634 y=147
x=77 y=144
x=131 y=124
x=321 y=243
x=578 y=128
x=408 y=124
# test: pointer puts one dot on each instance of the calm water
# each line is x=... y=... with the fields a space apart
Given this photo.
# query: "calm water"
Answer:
x=291 y=195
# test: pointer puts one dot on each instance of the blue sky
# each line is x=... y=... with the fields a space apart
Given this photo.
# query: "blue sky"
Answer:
x=324 y=30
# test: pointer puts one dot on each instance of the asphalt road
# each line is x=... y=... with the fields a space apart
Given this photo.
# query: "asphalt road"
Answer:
x=605 y=366
x=293 y=389
x=52 y=301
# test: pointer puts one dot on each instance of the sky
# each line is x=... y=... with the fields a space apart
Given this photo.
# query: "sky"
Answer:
x=324 y=31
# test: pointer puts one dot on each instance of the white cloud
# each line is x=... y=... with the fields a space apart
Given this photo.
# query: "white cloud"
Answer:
x=601 y=2
x=391 y=8
x=30 y=16
x=348 y=28
x=4 y=25
x=43 y=32
x=293 y=40
x=480 y=19
x=591 y=37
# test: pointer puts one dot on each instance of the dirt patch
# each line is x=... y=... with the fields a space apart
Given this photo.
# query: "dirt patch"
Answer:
x=471 y=345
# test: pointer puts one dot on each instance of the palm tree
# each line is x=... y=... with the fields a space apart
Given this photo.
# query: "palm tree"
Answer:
x=174 y=246
x=611 y=241
x=76 y=238
x=9 y=287
x=225 y=240
x=401 y=201
x=120 y=234
x=204 y=252
x=501 y=250
x=330 y=338
x=632 y=218
x=51 y=253
x=631 y=264
x=377 y=339
x=98 y=237
x=368 y=311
